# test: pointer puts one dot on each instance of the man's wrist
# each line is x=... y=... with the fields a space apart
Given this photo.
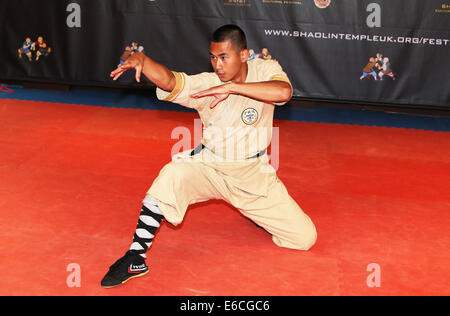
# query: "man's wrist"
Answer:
x=233 y=88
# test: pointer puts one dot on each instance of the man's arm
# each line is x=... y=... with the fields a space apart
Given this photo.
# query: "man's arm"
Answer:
x=159 y=74
x=275 y=91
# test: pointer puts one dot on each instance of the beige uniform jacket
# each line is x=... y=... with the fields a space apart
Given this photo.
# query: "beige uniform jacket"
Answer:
x=238 y=120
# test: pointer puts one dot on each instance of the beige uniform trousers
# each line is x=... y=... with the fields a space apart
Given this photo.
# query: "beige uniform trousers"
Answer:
x=251 y=186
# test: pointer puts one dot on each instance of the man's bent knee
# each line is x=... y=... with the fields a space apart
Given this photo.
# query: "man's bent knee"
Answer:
x=297 y=241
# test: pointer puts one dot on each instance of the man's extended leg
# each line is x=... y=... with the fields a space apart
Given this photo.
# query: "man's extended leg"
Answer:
x=177 y=185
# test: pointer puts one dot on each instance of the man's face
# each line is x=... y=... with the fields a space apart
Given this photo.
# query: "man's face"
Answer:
x=226 y=61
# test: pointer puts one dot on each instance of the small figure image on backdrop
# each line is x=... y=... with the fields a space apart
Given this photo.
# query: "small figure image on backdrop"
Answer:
x=130 y=50
x=385 y=69
x=369 y=69
x=126 y=53
x=378 y=67
x=379 y=60
x=26 y=48
x=136 y=48
x=251 y=54
x=265 y=54
x=39 y=47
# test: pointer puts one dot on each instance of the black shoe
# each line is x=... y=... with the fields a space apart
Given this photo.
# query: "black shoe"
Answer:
x=129 y=266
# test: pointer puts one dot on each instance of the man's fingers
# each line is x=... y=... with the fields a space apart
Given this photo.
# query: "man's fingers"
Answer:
x=202 y=94
x=118 y=75
x=214 y=103
x=114 y=72
x=120 y=70
x=138 y=73
x=125 y=66
x=220 y=91
x=218 y=96
x=217 y=100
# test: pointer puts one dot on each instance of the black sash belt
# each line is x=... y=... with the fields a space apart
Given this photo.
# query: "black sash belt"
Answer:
x=197 y=149
x=200 y=147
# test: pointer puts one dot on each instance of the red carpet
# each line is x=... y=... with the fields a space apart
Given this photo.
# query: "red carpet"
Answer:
x=73 y=177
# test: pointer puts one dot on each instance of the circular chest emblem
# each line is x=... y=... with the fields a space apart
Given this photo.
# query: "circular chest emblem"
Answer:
x=249 y=116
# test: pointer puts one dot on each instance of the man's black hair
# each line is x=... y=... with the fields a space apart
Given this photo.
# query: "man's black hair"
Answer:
x=232 y=33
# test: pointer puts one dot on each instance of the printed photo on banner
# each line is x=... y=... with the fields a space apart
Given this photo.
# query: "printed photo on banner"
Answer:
x=263 y=54
x=33 y=50
x=130 y=50
x=377 y=68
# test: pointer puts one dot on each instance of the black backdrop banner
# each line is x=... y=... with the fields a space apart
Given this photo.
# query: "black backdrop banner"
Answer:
x=377 y=51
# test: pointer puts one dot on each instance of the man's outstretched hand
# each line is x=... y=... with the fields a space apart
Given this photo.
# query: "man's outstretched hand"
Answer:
x=135 y=61
x=219 y=93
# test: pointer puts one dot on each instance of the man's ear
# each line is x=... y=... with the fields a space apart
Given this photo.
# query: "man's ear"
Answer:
x=244 y=55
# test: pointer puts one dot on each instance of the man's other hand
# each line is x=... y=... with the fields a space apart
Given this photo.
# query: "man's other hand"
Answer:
x=135 y=61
